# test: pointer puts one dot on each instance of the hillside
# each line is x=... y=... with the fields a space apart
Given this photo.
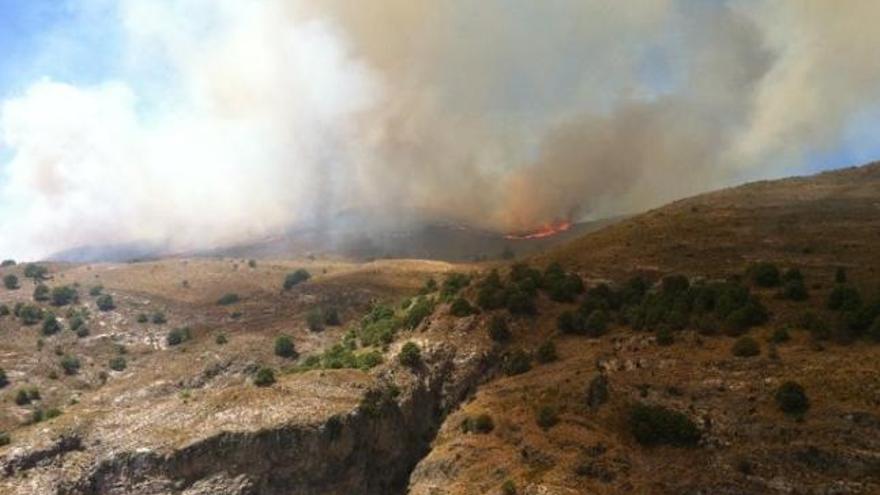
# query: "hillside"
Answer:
x=522 y=382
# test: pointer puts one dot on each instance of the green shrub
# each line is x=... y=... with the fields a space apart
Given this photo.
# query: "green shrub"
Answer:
x=840 y=275
x=481 y=424
x=30 y=314
x=4 y=310
x=410 y=355
x=764 y=274
x=22 y=398
x=520 y=302
x=159 y=318
x=142 y=318
x=779 y=336
x=284 y=347
x=36 y=272
x=746 y=347
x=6 y=263
x=792 y=274
x=331 y=317
x=657 y=425
x=296 y=278
x=378 y=400
x=264 y=377
x=105 y=302
x=178 y=336
x=118 y=363
x=453 y=283
x=547 y=417
x=508 y=488
x=596 y=323
x=664 y=336
x=498 y=330
x=461 y=307
x=10 y=282
x=41 y=293
x=379 y=333
x=70 y=365
x=795 y=290
x=418 y=311
x=5 y=439
x=96 y=290
x=816 y=325
x=228 y=299
x=315 y=320
x=874 y=330
x=51 y=326
x=252 y=263
x=517 y=362
x=4 y=380
x=547 y=352
x=77 y=321
x=844 y=298
x=220 y=339
x=52 y=413
x=792 y=399
x=82 y=332
x=64 y=295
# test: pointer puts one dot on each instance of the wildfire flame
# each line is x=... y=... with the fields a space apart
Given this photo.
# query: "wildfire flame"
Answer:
x=541 y=232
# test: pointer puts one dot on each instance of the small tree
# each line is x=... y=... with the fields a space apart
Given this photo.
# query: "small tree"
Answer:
x=118 y=363
x=746 y=347
x=35 y=271
x=792 y=399
x=498 y=330
x=30 y=314
x=264 y=377
x=296 y=278
x=105 y=302
x=410 y=355
x=51 y=326
x=284 y=347
x=10 y=282
x=64 y=295
x=41 y=293
x=70 y=365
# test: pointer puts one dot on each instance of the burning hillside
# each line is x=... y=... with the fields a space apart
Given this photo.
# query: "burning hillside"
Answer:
x=546 y=230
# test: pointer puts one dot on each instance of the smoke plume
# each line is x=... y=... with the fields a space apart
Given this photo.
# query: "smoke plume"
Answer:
x=227 y=120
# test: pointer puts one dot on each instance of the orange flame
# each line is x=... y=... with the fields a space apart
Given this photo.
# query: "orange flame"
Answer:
x=541 y=232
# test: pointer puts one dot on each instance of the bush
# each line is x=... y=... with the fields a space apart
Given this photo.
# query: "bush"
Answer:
x=746 y=347
x=296 y=278
x=118 y=363
x=430 y=286
x=96 y=290
x=178 y=336
x=30 y=314
x=508 y=488
x=4 y=380
x=64 y=295
x=795 y=290
x=517 y=362
x=657 y=425
x=4 y=310
x=547 y=417
x=142 y=318
x=76 y=321
x=792 y=399
x=220 y=339
x=36 y=272
x=70 y=365
x=498 y=330
x=410 y=355
x=252 y=263
x=665 y=337
x=453 y=283
x=547 y=352
x=417 y=312
x=461 y=307
x=228 y=299
x=159 y=318
x=82 y=332
x=779 y=336
x=264 y=377
x=284 y=347
x=5 y=439
x=844 y=298
x=105 y=302
x=519 y=302
x=792 y=274
x=315 y=320
x=481 y=424
x=51 y=325
x=41 y=293
x=764 y=274
x=52 y=413
x=596 y=323
x=10 y=282
x=22 y=398
x=379 y=333
x=331 y=317
x=840 y=275
x=6 y=263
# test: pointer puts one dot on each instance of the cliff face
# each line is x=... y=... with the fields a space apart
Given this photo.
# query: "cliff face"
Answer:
x=369 y=449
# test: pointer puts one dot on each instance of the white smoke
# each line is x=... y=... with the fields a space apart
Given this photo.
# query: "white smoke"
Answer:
x=233 y=119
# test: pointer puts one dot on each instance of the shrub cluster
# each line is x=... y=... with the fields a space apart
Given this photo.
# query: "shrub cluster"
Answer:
x=295 y=278
x=178 y=336
x=64 y=295
x=342 y=356
x=105 y=302
x=657 y=425
x=792 y=399
x=410 y=355
x=498 y=330
x=10 y=282
x=228 y=299
x=264 y=377
x=481 y=424
x=284 y=347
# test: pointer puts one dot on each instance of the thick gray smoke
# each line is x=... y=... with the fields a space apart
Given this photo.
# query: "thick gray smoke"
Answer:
x=235 y=119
